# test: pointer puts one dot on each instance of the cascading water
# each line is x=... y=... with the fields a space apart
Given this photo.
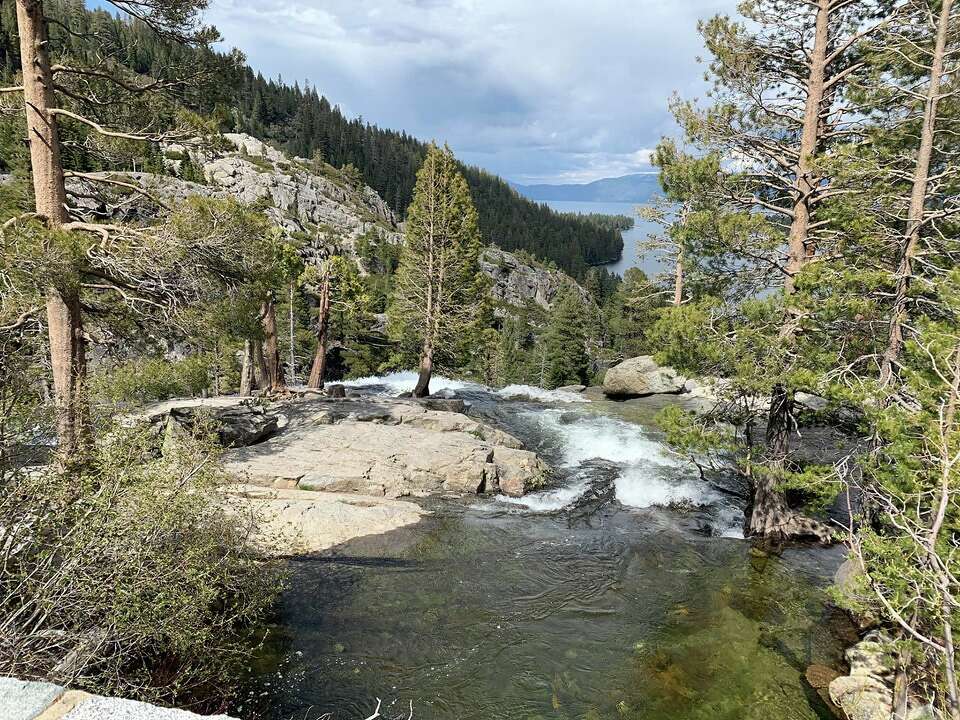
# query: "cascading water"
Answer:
x=610 y=595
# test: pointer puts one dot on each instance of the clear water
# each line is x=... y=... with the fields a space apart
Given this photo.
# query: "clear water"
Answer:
x=617 y=594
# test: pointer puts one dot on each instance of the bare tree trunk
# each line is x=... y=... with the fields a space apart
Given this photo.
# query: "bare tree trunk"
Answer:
x=271 y=349
x=800 y=247
x=261 y=377
x=318 y=370
x=247 y=369
x=422 y=388
x=292 y=367
x=918 y=195
x=678 y=279
x=65 y=326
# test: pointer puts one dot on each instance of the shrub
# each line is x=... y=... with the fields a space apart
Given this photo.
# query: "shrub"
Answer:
x=147 y=380
x=127 y=577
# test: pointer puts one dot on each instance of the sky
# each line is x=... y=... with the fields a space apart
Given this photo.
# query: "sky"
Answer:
x=533 y=90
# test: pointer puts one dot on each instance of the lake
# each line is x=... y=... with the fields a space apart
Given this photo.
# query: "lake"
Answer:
x=632 y=255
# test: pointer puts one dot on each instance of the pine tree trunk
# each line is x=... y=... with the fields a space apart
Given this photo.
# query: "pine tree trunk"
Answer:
x=64 y=321
x=247 y=369
x=770 y=516
x=271 y=348
x=292 y=366
x=800 y=247
x=261 y=378
x=318 y=370
x=422 y=388
x=678 y=279
x=911 y=237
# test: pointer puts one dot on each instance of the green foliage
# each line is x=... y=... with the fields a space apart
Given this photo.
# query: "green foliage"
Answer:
x=565 y=342
x=438 y=290
x=156 y=593
x=145 y=380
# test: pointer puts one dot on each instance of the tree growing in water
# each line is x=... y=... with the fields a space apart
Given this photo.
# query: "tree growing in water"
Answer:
x=435 y=292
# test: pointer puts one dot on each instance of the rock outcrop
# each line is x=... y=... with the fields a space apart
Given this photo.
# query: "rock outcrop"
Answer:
x=298 y=200
x=641 y=376
x=516 y=282
x=237 y=421
x=387 y=448
x=293 y=521
x=866 y=693
x=320 y=205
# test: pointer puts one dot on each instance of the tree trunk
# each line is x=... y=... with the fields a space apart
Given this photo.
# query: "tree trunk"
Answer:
x=64 y=322
x=319 y=367
x=915 y=215
x=247 y=369
x=422 y=388
x=800 y=247
x=271 y=348
x=770 y=515
x=292 y=365
x=678 y=279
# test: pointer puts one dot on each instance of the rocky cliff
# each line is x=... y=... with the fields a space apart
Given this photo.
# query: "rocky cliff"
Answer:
x=315 y=202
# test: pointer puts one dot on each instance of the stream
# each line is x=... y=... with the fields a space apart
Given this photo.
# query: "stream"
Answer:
x=624 y=591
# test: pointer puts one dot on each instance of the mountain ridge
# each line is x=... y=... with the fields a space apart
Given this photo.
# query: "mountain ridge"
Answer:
x=632 y=188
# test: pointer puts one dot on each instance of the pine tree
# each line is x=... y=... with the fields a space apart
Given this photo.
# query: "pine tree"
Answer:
x=566 y=361
x=435 y=296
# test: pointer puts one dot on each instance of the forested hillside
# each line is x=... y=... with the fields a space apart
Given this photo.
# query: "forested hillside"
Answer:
x=301 y=122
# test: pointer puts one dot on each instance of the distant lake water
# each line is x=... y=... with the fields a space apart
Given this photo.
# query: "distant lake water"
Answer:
x=632 y=255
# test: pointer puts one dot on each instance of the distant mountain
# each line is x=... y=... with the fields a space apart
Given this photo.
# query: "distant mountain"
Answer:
x=637 y=188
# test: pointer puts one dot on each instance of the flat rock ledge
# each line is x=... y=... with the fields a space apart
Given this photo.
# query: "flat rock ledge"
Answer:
x=25 y=700
x=386 y=448
x=293 y=522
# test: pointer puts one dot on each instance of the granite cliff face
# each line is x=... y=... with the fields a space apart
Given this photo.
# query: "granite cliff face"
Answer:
x=319 y=204
x=516 y=282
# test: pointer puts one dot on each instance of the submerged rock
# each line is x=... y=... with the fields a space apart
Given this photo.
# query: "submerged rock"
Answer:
x=641 y=376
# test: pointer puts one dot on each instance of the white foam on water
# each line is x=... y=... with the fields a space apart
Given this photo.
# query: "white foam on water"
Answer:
x=538 y=394
x=548 y=500
x=604 y=438
x=651 y=475
x=401 y=382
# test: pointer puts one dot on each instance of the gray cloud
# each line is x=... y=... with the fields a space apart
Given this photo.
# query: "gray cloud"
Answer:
x=534 y=90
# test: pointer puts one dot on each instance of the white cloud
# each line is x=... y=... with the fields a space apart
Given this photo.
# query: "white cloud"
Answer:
x=536 y=90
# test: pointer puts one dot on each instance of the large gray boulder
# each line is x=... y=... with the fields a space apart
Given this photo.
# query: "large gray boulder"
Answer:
x=235 y=426
x=641 y=376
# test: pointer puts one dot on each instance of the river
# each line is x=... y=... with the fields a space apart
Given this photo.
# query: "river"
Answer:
x=632 y=256
x=624 y=592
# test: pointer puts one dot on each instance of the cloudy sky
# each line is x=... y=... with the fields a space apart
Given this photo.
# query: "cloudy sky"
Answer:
x=534 y=90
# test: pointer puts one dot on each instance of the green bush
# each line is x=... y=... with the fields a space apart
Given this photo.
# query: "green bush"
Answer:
x=127 y=577
x=147 y=380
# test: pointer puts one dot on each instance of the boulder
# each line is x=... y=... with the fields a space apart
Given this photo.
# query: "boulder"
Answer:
x=572 y=388
x=866 y=693
x=519 y=471
x=452 y=405
x=641 y=376
x=238 y=426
